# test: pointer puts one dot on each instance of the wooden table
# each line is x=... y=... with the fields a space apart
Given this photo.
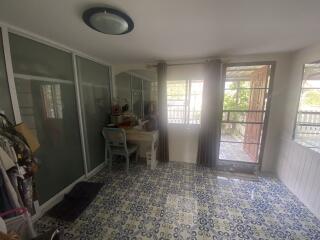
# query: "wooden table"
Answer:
x=147 y=142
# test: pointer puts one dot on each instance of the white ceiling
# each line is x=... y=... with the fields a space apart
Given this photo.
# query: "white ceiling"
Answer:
x=174 y=29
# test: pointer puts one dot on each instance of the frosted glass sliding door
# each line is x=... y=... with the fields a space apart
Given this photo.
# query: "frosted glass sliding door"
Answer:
x=5 y=100
x=137 y=98
x=94 y=82
x=123 y=88
x=47 y=100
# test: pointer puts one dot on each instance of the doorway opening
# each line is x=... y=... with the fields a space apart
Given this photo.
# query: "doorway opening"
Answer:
x=246 y=100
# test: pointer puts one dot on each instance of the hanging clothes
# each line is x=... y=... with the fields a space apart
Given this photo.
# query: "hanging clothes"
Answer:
x=6 y=160
x=9 y=162
x=17 y=166
x=5 y=203
x=7 y=186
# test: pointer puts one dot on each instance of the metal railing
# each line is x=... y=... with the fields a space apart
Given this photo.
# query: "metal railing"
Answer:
x=308 y=123
x=179 y=114
x=241 y=116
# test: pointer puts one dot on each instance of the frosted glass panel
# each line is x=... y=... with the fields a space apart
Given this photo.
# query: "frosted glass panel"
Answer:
x=48 y=107
x=136 y=83
x=34 y=58
x=137 y=103
x=146 y=96
x=123 y=88
x=95 y=94
x=5 y=100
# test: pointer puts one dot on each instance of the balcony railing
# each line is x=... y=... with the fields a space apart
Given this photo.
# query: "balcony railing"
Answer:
x=308 y=123
x=180 y=115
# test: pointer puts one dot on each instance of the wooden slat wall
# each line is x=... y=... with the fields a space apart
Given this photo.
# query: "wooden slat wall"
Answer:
x=299 y=169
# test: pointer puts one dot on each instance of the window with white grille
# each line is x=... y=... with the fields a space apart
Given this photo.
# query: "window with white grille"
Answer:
x=184 y=101
x=307 y=128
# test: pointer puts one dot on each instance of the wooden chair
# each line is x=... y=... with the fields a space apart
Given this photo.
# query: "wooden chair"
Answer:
x=116 y=145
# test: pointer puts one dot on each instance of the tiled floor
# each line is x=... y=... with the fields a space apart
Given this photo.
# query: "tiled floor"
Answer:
x=183 y=201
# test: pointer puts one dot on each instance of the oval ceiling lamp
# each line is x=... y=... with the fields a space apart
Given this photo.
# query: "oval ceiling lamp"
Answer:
x=108 y=20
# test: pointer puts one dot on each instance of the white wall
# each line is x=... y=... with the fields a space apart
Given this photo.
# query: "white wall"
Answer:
x=183 y=142
x=298 y=167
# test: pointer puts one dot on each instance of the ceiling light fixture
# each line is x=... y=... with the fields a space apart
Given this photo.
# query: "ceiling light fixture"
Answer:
x=108 y=20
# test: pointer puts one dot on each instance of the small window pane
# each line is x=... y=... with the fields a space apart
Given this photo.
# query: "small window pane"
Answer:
x=137 y=103
x=34 y=58
x=176 y=100
x=240 y=142
x=243 y=116
x=123 y=89
x=195 y=102
x=244 y=99
x=184 y=99
x=236 y=152
x=136 y=83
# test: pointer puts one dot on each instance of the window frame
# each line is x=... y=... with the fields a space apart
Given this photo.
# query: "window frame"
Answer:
x=301 y=88
x=187 y=100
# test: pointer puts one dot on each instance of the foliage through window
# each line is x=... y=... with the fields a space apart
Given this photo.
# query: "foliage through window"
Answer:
x=184 y=101
x=307 y=129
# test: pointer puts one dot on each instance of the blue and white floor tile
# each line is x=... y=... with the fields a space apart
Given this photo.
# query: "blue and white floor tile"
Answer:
x=183 y=201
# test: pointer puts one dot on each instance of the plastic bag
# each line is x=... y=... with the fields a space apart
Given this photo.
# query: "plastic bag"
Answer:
x=21 y=224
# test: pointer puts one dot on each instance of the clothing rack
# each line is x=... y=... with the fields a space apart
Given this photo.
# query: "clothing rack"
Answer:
x=16 y=176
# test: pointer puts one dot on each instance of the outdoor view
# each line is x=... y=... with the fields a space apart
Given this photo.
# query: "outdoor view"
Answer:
x=307 y=130
x=184 y=101
x=244 y=107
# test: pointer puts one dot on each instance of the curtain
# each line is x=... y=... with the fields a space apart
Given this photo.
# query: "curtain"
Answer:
x=209 y=136
x=163 y=118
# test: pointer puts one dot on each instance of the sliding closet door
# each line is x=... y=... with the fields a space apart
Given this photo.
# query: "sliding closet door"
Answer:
x=5 y=100
x=146 y=96
x=137 y=99
x=123 y=88
x=94 y=80
x=46 y=94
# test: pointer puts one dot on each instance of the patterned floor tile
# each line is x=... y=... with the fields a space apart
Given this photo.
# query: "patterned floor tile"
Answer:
x=185 y=201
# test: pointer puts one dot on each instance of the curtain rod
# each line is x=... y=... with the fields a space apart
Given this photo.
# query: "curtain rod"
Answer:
x=180 y=64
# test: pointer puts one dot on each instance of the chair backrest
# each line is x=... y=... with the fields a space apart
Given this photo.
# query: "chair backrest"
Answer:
x=115 y=138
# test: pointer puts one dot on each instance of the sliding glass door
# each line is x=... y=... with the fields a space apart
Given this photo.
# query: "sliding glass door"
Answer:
x=47 y=101
x=137 y=96
x=94 y=80
x=245 y=111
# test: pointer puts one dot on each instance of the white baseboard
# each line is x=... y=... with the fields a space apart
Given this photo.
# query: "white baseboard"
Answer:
x=59 y=196
x=96 y=170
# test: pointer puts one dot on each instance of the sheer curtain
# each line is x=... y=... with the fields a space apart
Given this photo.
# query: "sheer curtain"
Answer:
x=211 y=104
x=163 y=118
